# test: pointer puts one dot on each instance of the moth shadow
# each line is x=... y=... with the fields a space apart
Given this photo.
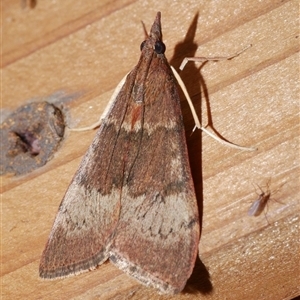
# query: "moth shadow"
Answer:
x=199 y=280
x=194 y=82
x=194 y=142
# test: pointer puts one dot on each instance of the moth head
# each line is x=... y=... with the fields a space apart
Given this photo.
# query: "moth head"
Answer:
x=154 y=39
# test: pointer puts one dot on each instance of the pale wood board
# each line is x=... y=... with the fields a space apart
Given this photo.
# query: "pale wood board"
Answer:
x=75 y=53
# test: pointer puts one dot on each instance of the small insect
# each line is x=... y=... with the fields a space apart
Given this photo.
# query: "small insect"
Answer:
x=260 y=203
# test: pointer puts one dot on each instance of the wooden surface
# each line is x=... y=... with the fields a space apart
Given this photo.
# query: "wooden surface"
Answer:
x=74 y=53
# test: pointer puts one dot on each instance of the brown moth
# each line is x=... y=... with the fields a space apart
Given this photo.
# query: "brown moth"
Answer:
x=132 y=199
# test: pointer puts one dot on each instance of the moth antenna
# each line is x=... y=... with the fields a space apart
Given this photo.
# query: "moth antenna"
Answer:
x=196 y=119
x=145 y=30
x=107 y=108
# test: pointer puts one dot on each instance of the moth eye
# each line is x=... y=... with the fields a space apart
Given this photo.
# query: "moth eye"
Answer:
x=142 y=45
x=160 y=47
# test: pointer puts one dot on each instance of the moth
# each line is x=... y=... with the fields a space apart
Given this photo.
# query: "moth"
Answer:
x=132 y=200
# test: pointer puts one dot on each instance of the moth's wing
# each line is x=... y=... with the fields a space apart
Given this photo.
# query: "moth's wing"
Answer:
x=89 y=211
x=156 y=239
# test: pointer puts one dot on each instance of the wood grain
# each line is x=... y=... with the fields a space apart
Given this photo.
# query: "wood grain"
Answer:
x=75 y=53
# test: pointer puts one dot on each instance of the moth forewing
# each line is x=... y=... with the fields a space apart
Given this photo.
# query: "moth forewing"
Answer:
x=132 y=198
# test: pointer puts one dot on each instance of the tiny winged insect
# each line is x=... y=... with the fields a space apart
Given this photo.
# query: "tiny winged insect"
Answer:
x=132 y=199
x=260 y=203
